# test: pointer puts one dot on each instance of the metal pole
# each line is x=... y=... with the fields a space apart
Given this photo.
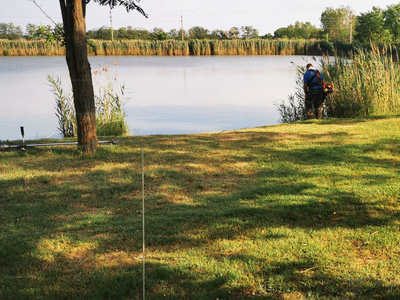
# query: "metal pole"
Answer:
x=112 y=30
x=351 y=29
x=182 y=28
x=23 y=134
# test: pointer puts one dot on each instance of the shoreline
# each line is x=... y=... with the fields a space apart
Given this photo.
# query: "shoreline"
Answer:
x=171 y=47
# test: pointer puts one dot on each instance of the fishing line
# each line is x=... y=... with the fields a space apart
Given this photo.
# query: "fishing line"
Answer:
x=144 y=244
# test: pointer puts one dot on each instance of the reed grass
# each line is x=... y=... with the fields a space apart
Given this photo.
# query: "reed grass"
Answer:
x=109 y=100
x=23 y=47
x=64 y=108
x=109 y=95
x=170 y=47
x=367 y=83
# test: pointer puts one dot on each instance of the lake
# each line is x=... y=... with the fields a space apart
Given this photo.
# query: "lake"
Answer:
x=164 y=95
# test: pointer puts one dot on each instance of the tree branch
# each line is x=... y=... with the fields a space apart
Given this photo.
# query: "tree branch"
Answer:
x=38 y=6
x=129 y=5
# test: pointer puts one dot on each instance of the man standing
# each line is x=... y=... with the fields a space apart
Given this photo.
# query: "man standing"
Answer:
x=314 y=91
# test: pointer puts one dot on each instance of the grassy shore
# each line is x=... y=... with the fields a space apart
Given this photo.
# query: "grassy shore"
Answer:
x=307 y=210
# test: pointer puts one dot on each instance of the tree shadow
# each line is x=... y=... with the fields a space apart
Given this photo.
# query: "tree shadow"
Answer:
x=308 y=278
x=88 y=217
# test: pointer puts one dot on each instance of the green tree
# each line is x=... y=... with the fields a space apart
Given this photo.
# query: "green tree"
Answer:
x=74 y=20
x=338 y=23
x=392 y=21
x=159 y=34
x=267 y=36
x=102 y=33
x=174 y=34
x=219 y=34
x=30 y=31
x=138 y=33
x=3 y=30
x=177 y=34
x=198 y=32
x=306 y=30
x=48 y=33
x=284 y=32
x=121 y=33
x=371 y=28
x=248 y=32
x=234 y=33
x=299 y=30
x=10 y=31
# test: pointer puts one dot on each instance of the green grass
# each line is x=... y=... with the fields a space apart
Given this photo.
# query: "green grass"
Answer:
x=308 y=210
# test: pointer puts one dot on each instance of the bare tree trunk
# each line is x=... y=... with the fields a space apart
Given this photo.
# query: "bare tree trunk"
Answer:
x=73 y=13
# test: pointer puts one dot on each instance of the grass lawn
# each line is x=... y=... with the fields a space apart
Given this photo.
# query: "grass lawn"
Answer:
x=307 y=210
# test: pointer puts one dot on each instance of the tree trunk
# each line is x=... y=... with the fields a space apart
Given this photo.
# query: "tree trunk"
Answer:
x=73 y=13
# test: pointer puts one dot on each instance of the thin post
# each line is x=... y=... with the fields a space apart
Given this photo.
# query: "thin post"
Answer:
x=182 y=28
x=112 y=30
x=351 y=29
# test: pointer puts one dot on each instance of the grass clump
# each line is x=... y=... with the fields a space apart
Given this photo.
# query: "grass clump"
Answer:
x=308 y=210
x=110 y=116
x=109 y=101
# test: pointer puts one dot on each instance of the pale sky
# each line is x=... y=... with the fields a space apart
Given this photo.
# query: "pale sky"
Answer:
x=265 y=16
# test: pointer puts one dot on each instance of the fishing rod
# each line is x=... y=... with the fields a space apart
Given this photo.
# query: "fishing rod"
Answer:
x=24 y=146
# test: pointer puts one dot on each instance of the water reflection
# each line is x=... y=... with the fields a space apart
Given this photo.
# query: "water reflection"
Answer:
x=165 y=95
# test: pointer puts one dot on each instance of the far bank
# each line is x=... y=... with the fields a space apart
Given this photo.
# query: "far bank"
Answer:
x=175 y=47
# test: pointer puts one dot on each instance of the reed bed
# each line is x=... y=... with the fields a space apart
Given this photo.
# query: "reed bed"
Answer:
x=30 y=48
x=169 y=47
x=367 y=83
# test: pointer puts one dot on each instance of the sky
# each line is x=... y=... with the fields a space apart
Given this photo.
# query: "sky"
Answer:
x=265 y=16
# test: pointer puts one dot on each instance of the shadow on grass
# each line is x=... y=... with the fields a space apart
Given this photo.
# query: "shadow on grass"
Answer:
x=71 y=225
x=305 y=277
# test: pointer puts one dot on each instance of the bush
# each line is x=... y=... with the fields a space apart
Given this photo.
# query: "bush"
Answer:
x=292 y=109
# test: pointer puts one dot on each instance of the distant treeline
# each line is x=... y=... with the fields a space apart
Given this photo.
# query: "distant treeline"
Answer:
x=378 y=26
x=171 y=47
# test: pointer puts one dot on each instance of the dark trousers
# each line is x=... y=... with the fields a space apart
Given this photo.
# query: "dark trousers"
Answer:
x=314 y=101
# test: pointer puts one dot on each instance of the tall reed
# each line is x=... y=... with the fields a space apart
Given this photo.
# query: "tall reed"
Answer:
x=366 y=84
x=109 y=95
x=170 y=47
x=64 y=108
x=30 y=48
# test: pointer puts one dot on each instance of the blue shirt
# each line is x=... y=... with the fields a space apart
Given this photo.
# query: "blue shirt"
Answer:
x=314 y=83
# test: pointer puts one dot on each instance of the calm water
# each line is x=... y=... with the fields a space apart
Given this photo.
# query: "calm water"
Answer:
x=164 y=95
